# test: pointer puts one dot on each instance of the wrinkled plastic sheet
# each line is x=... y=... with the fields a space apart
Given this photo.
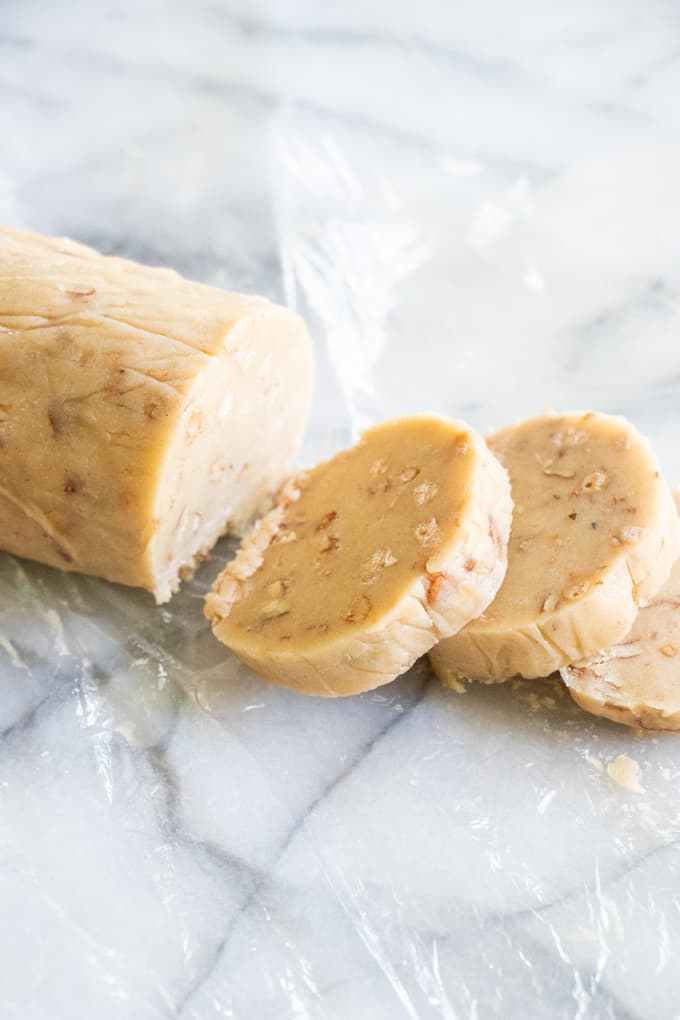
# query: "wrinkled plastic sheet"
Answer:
x=177 y=838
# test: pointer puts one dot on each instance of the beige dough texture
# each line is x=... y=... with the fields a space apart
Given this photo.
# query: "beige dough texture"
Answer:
x=594 y=536
x=626 y=772
x=368 y=560
x=637 y=682
x=141 y=415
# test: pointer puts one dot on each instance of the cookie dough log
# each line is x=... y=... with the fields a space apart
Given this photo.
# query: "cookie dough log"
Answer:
x=368 y=559
x=594 y=536
x=141 y=414
x=637 y=682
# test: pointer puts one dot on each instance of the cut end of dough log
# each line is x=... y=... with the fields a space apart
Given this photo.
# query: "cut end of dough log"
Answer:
x=234 y=441
x=368 y=559
x=594 y=536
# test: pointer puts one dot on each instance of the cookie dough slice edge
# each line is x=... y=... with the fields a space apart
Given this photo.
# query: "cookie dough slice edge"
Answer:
x=438 y=603
x=595 y=620
x=599 y=684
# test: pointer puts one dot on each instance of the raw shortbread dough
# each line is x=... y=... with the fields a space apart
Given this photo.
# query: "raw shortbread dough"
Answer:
x=626 y=772
x=594 y=535
x=141 y=414
x=368 y=559
x=637 y=682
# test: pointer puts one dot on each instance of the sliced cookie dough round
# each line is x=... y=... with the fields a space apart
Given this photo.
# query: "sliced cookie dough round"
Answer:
x=368 y=559
x=637 y=682
x=594 y=536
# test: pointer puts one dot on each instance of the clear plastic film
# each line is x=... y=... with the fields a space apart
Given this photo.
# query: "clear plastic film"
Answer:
x=179 y=839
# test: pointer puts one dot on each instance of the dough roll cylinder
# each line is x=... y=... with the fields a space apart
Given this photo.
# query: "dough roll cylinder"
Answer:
x=142 y=415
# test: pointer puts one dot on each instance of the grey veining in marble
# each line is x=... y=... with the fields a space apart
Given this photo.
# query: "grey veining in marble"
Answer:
x=477 y=208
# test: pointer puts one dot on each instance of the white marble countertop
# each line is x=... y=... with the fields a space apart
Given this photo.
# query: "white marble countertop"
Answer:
x=477 y=207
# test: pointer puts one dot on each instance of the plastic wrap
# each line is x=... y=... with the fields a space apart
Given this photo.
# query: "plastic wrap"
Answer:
x=177 y=838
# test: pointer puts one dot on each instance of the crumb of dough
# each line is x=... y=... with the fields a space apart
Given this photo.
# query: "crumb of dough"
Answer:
x=457 y=684
x=626 y=772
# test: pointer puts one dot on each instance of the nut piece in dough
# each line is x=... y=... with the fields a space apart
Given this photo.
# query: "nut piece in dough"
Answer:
x=637 y=682
x=141 y=415
x=368 y=560
x=594 y=536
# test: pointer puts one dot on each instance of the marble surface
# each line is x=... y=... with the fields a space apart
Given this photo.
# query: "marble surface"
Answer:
x=477 y=208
